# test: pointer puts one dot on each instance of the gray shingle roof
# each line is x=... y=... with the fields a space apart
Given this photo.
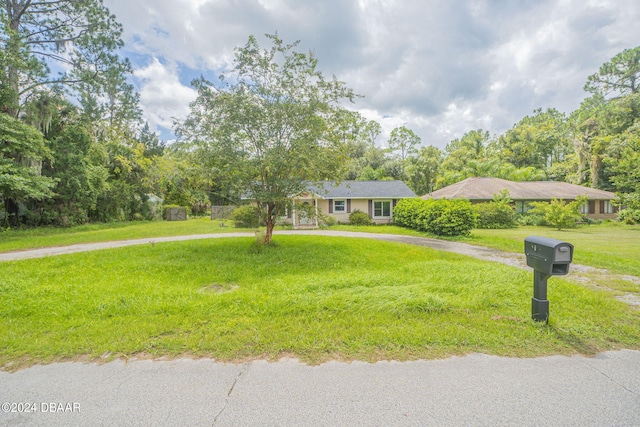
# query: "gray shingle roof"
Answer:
x=363 y=190
x=485 y=188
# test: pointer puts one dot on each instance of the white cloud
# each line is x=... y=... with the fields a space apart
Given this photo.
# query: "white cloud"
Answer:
x=162 y=96
x=439 y=68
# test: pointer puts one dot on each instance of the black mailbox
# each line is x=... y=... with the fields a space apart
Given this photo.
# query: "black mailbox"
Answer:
x=548 y=257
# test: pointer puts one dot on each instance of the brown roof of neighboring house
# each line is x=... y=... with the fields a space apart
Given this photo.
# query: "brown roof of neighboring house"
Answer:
x=486 y=188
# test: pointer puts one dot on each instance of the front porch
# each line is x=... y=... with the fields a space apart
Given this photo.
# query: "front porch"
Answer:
x=305 y=214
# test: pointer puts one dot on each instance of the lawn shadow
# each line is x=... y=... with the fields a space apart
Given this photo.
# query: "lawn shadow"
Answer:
x=574 y=341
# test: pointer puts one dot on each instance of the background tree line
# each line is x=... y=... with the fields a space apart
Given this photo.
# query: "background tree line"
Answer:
x=73 y=147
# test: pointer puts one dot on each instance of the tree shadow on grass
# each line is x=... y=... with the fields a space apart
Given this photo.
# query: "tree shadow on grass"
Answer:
x=574 y=341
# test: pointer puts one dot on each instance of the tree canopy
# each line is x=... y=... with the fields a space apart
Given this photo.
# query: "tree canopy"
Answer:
x=70 y=43
x=270 y=125
x=73 y=148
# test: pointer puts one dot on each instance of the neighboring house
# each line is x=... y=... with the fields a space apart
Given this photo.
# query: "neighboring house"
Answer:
x=483 y=189
x=376 y=198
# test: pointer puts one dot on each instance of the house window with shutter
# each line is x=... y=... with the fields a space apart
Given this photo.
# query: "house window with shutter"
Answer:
x=339 y=206
x=382 y=208
x=606 y=207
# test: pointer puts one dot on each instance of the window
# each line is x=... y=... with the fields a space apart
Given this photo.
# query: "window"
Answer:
x=522 y=207
x=339 y=206
x=606 y=207
x=382 y=209
x=584 y=209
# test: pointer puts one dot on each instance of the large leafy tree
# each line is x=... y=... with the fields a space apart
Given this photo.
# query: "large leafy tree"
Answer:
x=403 y=141
x=270 y=125
x=537 y=141
x=460 y=152
x=618 y=77
x=71 y=43
x=22 y=150
x=598 y=124
x=422 y=171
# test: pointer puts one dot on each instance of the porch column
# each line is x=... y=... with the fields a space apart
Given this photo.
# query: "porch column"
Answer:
x=294 y=215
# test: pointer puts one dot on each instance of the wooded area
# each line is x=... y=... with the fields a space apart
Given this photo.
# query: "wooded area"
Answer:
x=74 y=149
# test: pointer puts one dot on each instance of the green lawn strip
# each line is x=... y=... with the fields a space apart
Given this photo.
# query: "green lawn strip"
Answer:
x=50 y=236
x=613 y=247
x=316 y=298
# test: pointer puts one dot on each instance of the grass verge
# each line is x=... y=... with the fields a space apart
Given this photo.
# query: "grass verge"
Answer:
x=90 y=233
x=614 y=247
x=315 y=298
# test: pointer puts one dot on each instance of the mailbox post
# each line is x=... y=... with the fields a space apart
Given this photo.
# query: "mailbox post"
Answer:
x=548 y=257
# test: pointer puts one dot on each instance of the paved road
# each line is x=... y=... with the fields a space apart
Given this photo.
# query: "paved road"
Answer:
x=476 y=390
x=473 y=390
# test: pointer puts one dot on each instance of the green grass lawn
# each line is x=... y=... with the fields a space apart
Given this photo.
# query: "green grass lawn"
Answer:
x=50 y=236
x=316 y=298
x=612 y=246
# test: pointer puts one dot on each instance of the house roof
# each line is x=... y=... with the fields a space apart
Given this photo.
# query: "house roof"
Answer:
x=485 y=188
x=363 y=190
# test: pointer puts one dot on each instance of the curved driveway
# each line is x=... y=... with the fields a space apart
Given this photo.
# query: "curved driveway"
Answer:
x=480 y=252
x=461 y=248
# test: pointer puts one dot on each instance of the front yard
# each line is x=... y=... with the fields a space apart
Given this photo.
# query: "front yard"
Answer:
x=315 y=298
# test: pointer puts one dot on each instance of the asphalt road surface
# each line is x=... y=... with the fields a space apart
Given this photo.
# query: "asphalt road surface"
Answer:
x=476 y=390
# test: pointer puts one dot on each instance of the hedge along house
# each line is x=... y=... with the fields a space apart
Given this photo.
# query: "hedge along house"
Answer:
x=376 y=198
x=479 y=190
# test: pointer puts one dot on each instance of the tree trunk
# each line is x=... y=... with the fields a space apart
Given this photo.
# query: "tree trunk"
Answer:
x=269 y=233
x=270 y=222
x=12 y=212
x=13 y=47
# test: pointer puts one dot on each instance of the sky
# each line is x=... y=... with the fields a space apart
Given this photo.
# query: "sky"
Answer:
x=440 y=68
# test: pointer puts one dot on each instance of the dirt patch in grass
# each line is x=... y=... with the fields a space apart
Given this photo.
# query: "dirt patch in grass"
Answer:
x=219 y=288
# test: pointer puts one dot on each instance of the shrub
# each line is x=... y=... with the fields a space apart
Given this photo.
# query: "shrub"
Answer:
x=358 y=217
x=246 y=216
x=405 y=213
x=328 y=221
x=494 y=215
x=559 y=213
x=441 y=217
x=529 y=219
x=629 y=216
x=451 y=217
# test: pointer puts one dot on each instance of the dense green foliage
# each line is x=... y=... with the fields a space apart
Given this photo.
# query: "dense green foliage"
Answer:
x=494 y=215
x=499 y=213
x=246 y=216
x=631 y=214
x=22 y=150
x=74 y=149
x=441 y=217
x=559 y=213
x=270 y=125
